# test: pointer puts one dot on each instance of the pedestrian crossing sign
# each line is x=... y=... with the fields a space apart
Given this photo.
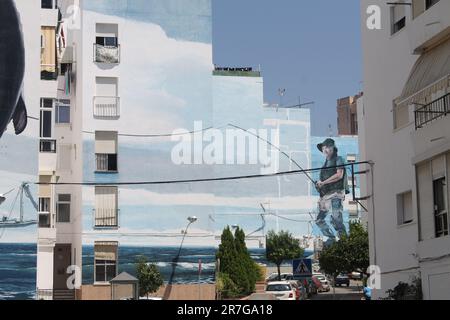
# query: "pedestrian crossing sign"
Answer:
x=302 y=267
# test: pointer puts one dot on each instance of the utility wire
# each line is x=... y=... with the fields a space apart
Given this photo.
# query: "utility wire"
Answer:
x=282 y=152
x=165 y=182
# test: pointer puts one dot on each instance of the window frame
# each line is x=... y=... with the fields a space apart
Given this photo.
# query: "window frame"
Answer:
x=63 y=202
x=45 y=109
x=104 y=264
x=401 y=212
x=112 y=163
x=58 y=106
x=442 y=214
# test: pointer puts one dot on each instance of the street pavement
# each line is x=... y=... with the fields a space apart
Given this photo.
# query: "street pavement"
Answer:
x=354 y=292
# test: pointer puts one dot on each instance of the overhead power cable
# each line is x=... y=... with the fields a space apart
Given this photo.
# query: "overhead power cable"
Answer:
x=201 y=180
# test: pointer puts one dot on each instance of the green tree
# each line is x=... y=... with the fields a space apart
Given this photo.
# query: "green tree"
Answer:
x=282 y=246
x=350 y=253
x=150 y=279
x=238 y=272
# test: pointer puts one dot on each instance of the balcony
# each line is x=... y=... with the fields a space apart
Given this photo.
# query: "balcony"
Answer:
x=106 y=218
x=435 y=110
x=106 y=54
x=47 y=146
x=49 y=72
x=106 y=107
x=430 y=26
x=44 y=294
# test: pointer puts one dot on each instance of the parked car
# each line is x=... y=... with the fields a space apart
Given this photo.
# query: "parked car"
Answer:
x=274 y=277
x=324 y=284
x=282 y=290
x=355 y=275
x=341 y=280
x=300 y=290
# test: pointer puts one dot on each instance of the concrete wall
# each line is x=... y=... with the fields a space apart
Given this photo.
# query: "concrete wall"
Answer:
x=387 y=64
x=93 y=292
x=190 y=292
x=388 y=61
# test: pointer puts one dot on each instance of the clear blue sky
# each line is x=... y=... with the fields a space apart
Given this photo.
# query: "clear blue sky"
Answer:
x=310 y=48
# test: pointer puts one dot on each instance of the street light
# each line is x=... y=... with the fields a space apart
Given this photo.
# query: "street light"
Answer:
x=168 y=290
x=192 y=220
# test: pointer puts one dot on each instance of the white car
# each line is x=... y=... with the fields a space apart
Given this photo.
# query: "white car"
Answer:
x=274 y=277
x=323 y=281
x=282 y=290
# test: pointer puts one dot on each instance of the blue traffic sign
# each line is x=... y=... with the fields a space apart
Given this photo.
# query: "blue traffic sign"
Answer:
x=302 y=268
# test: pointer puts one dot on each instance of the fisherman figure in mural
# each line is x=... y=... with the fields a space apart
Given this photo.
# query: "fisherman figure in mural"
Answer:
x=12 y=69
x=332 y=186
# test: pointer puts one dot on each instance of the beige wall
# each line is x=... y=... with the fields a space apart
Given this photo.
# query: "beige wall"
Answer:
x=190 y=292
x=93 y=292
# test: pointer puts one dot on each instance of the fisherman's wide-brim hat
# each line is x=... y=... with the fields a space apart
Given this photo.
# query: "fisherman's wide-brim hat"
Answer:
x=327 y=143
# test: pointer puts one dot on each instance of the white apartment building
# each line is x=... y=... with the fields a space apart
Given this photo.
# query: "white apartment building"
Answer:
x=405 y=132
x=59 y=228
x=87 y=78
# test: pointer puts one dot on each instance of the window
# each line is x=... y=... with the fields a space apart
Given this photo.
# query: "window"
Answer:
x=106 y=46
x=47 y=4
x=44 y=204
x=63 y=208
x=398 y=18
x=63 y=112
x=430 y=3
x=106 y=41
x=106 y=151
x=440 y=207
x=105 y=270
x=44 y=212
x=46 y=119
x=105 y=263
x=106 y=203
x=106 y=162
x=404 y=208
x=47 y=146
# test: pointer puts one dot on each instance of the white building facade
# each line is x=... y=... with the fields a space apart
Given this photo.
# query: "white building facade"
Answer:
x=404 y=131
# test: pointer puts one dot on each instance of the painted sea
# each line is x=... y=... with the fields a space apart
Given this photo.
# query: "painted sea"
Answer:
x=18 y=265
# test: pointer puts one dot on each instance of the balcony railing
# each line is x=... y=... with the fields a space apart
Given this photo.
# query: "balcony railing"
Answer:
x=44 y=294
x=49 y=72
x=47 y=146
x=106 y=218
x=106 y=107
x=106 y=54
x=435 y=110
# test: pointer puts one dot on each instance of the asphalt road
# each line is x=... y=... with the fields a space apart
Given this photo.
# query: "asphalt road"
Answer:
x=354 y=292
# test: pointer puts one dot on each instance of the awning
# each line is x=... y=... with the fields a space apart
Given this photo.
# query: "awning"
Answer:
x=106 y=250
x=67 y=57
x=430 y=74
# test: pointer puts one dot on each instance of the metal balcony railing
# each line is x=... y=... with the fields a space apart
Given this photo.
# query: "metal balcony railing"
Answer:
x=435 y=110
x=106 y=107
x=44 y=294
x=47 y=146
x=49 y=72
x=105 y=163
x=106 y=54
x=106 y=218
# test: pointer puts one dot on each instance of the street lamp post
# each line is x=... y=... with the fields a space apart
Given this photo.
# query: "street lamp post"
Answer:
x=191 y=220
